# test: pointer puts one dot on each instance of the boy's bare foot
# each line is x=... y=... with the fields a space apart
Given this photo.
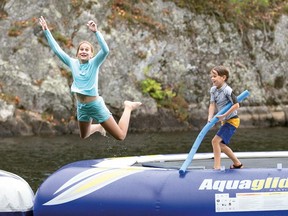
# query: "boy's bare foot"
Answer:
x=132 y=105
x=216 y=168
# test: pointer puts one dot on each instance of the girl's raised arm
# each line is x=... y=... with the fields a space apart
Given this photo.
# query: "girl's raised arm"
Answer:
x=53 y=44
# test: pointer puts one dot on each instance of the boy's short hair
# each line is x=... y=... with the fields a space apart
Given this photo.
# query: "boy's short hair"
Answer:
x=222 y=71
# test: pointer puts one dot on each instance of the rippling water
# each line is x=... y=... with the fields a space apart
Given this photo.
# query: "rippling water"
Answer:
x=35 y=158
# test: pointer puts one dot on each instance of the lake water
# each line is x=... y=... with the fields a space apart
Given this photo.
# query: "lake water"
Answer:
x=35 y=158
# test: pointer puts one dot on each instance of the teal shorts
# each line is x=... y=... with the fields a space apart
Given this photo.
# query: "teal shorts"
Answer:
x=94 y=110
x=226 y=131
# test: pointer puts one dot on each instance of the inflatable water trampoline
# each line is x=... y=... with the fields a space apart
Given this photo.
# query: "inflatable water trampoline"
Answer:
x=152 y=185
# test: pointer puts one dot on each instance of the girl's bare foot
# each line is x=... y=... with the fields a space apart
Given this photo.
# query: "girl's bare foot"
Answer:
x=101 y=130
x=132 y=105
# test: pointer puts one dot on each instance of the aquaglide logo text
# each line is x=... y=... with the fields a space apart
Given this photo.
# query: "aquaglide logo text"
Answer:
x=254 y=185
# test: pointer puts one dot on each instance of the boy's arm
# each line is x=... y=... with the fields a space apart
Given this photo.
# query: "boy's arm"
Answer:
x=232 y=109
x=211 y=111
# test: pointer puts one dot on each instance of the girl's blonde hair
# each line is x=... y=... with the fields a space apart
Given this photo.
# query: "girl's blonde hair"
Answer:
x=91 y=46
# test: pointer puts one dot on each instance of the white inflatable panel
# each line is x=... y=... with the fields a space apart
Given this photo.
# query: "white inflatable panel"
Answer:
x=15 y=193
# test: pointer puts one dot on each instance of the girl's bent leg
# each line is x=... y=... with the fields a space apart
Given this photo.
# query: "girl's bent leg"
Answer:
x=125 y=118
x=119 y=131
x=87 y=128
x=97 y=128
x=84 y=128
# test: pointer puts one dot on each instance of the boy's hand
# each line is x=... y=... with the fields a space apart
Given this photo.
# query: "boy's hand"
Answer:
x=220 y=117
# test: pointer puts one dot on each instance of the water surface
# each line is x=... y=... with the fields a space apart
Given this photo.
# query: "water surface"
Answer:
x=35 y=158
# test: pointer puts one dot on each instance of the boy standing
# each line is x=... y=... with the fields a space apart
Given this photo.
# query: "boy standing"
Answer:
x=221 y=94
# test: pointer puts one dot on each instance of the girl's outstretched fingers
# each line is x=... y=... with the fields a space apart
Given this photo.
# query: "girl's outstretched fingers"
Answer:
x=43 y=23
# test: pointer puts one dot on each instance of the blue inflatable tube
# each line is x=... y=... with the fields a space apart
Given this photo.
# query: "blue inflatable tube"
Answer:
x=206 y=128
